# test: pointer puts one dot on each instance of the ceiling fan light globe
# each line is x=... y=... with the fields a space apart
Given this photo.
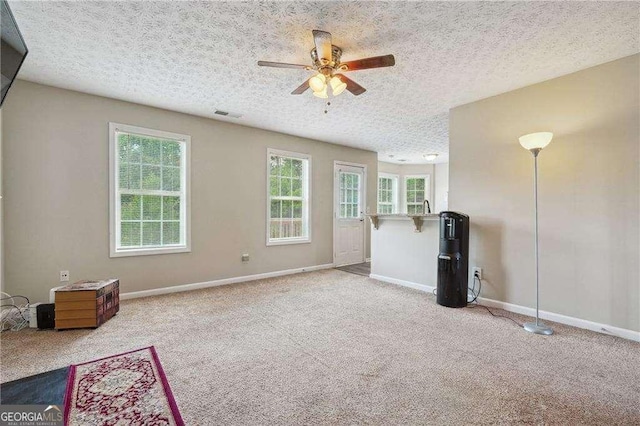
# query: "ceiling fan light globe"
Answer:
x=322 y=94
x=317 y=82
x=337 y=86
x=339 y=89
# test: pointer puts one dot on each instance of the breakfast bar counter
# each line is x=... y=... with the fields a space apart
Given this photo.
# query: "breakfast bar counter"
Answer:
x=404 y=249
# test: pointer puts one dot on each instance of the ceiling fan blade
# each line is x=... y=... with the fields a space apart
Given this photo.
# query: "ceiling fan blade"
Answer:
x=322 y=40
x=301 y=89
x=352 y=86
x=366 y=63
x=282 y=65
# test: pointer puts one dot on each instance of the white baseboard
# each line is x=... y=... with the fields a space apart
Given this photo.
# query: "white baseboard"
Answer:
x=518 y=309
x=564 y=319
x=421 y=287
x=216 y=283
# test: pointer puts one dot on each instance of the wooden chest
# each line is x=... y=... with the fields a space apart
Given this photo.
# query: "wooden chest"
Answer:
x=86 y=303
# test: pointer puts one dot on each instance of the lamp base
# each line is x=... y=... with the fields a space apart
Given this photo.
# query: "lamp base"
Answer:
x=538 y=328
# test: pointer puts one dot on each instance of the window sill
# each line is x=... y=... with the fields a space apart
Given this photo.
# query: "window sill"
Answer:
x=150 y=251
x=284 y=242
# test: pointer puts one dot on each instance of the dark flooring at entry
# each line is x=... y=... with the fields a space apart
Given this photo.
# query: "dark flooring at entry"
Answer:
x=45 y=388
x=358 y=268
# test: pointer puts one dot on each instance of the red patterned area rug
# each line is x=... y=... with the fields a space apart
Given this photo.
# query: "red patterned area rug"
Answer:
x=125 y=389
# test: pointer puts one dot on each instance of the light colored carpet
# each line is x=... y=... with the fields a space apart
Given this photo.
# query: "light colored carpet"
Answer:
x=330 y=347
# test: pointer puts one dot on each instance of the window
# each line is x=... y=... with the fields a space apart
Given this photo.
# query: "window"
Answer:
x=416 y=191
x=149 y=185
x=387 y=193
x=349 y=195
x=288 y=198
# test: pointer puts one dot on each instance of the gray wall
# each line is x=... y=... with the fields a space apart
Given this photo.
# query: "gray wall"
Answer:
x=589 y=192
x=56 y=191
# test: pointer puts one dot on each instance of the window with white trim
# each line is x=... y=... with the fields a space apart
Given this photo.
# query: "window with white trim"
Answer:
x=149 y=180
x=387 y=193
x=288 y=197
x=417 y=189
x=349 y=195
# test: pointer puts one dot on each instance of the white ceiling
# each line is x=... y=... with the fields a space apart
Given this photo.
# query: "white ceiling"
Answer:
x=198 y=57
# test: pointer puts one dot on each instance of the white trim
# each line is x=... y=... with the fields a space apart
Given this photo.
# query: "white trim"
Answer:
x=288 y=241
x=403 y=283
x=306 y=206
x=531 y=312
x=217 y=283
x=564 y=319
x=113 y=192
x=150 y=251
x=336 y=206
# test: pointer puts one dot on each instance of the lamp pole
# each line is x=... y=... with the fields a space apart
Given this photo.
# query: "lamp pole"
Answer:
x=535 y=153
x=534 y=143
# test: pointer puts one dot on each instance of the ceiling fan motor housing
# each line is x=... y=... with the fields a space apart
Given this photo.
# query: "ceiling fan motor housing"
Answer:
x=320 y=63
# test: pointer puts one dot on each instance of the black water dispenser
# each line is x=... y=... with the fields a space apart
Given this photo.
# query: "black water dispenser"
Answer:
x=453 y=260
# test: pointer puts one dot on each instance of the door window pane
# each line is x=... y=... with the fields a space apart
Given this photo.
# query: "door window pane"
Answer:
x=349 y=195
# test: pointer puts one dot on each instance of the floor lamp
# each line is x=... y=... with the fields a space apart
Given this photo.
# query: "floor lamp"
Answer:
x=534 y=142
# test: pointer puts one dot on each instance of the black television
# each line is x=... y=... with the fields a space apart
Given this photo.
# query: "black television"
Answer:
x=13 y=49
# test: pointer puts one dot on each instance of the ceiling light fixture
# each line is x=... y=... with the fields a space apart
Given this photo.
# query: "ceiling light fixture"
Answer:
x=337 y=85
x=430 y=157
x=322 y=93
x=318 y=83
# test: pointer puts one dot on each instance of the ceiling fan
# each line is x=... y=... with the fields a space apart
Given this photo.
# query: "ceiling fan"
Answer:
x=326 y=60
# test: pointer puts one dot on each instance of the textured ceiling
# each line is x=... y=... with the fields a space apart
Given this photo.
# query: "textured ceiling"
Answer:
x=198 y=57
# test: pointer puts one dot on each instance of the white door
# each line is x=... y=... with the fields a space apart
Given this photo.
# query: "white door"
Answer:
x=348 y=222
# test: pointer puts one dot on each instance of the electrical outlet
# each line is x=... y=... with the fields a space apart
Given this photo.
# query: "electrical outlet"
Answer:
x=64 y=276
x=245 y=257
x=477 y=272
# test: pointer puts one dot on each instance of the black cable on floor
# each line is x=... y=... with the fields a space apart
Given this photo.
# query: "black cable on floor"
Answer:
x=495 y=315
x=473 y=303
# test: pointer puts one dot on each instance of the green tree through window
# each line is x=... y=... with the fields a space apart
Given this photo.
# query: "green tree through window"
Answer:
x=151 y=193
x=288 y=198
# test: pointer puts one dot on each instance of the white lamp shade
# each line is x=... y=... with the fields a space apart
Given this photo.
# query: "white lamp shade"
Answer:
x=321 y=93
x=317 y=82
x=337 y=86
x=536 y=140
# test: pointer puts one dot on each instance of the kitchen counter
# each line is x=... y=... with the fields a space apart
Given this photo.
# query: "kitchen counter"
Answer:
x=418 y=219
